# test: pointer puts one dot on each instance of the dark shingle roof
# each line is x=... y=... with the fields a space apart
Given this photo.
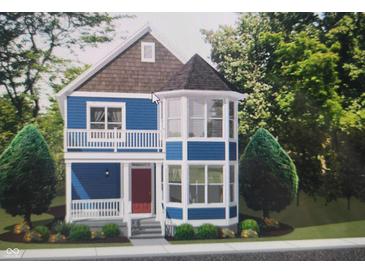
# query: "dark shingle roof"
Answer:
x=198 y=74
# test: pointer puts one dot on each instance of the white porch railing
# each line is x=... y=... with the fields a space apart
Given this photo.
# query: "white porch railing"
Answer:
x=98 y=208
x=112 y=139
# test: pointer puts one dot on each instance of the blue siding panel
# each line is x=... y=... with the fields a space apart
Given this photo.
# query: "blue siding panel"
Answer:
x=232 y=151
x=174 y=213
x=89 y=181
x=206 y=213
x=206 y=151
x=233 y=211
x=140 y=113
x=173 y=150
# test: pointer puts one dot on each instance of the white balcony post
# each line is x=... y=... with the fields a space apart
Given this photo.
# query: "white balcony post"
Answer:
x=127 y=198
x=68 y=193
x=158 y=192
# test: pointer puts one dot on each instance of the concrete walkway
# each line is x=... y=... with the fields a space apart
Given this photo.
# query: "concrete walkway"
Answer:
x=178 y=249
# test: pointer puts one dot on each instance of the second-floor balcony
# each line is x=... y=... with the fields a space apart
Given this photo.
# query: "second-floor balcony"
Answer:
x=113 y=140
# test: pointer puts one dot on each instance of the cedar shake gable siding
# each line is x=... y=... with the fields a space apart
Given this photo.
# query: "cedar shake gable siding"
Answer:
x=199 y=75
x=127 y=73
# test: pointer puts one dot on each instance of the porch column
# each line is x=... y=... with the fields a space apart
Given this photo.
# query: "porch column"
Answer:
x=68 y=189
x=127 y=198
x=158 y=192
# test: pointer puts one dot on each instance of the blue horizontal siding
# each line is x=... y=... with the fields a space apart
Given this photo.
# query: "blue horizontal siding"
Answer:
x=173 y=150
x=174 y=213
x=206 y=213
x=140 y=113
x=232 y=151
x=233 y=211
x=206 y=151
x=90 y=182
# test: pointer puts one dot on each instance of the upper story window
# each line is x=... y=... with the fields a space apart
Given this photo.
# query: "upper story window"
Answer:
x=205 y=117
x=231 y=120
x=173 y=118
x=148 y=52
x=102 y=115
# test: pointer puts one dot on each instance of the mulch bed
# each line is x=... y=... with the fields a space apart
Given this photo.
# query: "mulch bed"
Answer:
x=59 y=214
x=11 y=237
x=283 y=229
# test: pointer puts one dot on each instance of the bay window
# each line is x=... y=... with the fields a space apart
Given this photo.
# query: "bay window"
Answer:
x=215 y=118
x=173 y=118
x=215 y=184
x=196 y=118
x=174 y=183
x=231 y=120
x=196 y=184
x=231 y=183
x=205 y=118
x=205 y=184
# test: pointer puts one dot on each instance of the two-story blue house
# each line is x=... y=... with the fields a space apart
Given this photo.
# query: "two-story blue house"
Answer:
x=151 y=139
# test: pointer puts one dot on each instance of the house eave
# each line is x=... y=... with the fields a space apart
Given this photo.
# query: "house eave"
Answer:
x=194 y=92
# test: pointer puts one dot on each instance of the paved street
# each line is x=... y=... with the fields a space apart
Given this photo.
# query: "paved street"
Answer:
x=348 y=254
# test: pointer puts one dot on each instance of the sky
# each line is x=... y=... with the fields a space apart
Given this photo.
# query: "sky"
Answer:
x=182 y=30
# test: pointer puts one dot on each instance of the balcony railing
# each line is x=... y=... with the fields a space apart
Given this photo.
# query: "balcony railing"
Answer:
x=113 y=139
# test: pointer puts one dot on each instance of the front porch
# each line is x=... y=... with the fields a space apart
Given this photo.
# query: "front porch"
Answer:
x=111 y=191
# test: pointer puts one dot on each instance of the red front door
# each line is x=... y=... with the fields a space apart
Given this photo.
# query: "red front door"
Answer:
x=141 y=190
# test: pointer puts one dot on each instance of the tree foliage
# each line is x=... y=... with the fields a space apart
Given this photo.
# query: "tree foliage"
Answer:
x=27 y=175
x=304 y=74
x=269 y=181
x=28 y=42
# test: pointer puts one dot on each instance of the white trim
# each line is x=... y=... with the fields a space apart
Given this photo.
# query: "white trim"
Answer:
x=206 y=93
x=106 y=105
x=61 y=96
x=217 y=222
x=110 y=156
x=68 y=190
x=143 y=58
x=105 y=94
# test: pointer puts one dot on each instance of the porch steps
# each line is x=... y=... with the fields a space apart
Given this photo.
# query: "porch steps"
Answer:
x=147 y=228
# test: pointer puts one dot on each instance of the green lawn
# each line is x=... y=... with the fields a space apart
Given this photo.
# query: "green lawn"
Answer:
x=7 y=222
x=313 y=219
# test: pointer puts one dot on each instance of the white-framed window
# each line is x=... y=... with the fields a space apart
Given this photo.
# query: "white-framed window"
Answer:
x=105 y=115
x=206 y=184
x=174 y=183
x=196 y=117
x=215 y=118
x=148 y=52
x=231 y=120
x=231 y=183
x=174 y=117
x=205 y=118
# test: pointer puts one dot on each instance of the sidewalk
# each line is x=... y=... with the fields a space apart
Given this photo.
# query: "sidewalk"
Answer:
x=183 y=249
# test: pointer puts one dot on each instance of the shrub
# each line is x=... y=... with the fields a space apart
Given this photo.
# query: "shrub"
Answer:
x=43 y=232
x=27 y=167
x=207 y=231
x=184 y=232
x=249 y=233
x=111 y=230
x=250 y=224
x=80 y=233
x=228 y=233
x=63 y=228
x=33 y=236
x=57 y=238
x=270 y=223
x=268 y=176
x=97 y=235
x=21 y=228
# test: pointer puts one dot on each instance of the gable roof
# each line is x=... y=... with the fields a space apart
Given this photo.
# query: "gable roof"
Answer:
x=84 y=77
x=197 y=74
